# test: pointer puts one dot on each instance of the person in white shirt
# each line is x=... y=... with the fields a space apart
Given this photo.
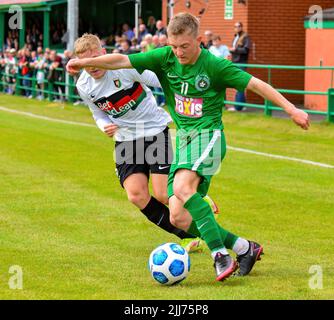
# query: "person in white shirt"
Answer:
x=124 y=107
x=218 y=49
x=11 y=69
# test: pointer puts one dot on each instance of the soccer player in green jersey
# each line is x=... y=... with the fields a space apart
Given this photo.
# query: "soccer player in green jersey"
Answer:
x=194 y=82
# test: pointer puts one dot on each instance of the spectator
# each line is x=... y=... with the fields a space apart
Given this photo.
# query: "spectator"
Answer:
x=240 y=50
x=149 y=42
x=2 y=64
x=26 y=71
x=127 y=31
x=218 y=49
x=135 y=46
x=11 y=69
x=126 y=47
x=160 y=28
x=208 y=39
x=40 y=67
x=55 y=75
x=151 y=25
x=40 y=40
x=140 y=21
x=163 y=41
x=68 y=55
x=118 y=45
x=110 y=40
x=155 y=41
x=39 y=51
x=143 y=46
x=142 y=32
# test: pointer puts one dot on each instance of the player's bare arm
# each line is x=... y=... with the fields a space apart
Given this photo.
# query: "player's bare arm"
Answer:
x=266 y=91
x=107 y=61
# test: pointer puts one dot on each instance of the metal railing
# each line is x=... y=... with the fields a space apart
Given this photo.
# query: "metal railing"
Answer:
x=67 y=87
x=268 y=107
x=68 y=91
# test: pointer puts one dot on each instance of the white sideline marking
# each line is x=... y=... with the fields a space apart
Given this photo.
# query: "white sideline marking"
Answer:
x=276 y=156
x=269 y=155
x=32 y=115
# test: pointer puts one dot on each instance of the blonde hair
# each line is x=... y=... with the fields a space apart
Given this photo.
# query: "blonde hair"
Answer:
x=182 y=23
x=87 y=42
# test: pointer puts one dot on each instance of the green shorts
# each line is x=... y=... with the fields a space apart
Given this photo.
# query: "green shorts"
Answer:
x=201 y=152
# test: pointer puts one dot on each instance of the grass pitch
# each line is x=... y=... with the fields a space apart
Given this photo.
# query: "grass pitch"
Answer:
x=65 y=220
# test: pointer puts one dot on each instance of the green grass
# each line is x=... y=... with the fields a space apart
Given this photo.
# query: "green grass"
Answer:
x=66 y=221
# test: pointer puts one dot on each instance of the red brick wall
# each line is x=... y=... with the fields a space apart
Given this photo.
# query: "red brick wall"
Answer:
x=213 y=17
x=278 y=34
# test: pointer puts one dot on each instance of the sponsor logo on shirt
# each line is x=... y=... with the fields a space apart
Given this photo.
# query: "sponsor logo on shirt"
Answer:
x=119 y=103
x=189 y=107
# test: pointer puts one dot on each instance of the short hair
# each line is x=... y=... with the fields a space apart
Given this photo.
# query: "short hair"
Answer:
x=182 y=23
x=87 y=42
x=216 y=37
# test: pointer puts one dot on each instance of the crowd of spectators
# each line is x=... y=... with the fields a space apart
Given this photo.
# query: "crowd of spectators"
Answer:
x=34 y=36
x=34 y=68
x=37 y=66
x=150 y=36
x=45 y=66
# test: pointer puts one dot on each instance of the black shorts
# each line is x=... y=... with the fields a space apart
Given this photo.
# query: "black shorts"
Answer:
x=145 y=155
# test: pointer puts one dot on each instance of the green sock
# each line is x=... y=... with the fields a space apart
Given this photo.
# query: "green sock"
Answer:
x=193 y=229
x=227 y=237
x=205 y=222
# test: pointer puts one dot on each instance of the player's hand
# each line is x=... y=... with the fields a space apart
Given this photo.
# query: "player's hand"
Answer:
x=73 y=66
x=110 y=129
x=300 y=118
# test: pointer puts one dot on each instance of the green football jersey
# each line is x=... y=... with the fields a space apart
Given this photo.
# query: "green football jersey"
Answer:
x=194 y=93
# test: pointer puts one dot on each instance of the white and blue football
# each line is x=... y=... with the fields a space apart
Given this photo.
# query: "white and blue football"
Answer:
x=169 y=263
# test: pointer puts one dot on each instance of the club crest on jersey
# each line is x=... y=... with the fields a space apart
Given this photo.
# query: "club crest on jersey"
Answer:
x=117 y=83
x=202 y=82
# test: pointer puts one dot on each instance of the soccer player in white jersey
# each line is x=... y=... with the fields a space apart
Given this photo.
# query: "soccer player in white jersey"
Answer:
x=124 y=107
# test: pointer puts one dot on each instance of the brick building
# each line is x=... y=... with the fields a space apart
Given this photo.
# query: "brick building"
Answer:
x=276 y=28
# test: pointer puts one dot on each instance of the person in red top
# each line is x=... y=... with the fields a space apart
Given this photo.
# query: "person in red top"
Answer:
x=26 y=72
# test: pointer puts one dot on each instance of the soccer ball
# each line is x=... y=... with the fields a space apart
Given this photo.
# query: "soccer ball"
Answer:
x=169 y=263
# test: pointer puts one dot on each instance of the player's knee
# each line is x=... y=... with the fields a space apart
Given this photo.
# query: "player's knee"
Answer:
x=138 y=198
x=176 y=220
x=182 y=191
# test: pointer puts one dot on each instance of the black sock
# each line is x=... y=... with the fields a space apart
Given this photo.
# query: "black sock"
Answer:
x=158 y=213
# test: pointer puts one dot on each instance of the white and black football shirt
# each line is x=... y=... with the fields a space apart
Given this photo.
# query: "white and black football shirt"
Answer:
x=122 y=97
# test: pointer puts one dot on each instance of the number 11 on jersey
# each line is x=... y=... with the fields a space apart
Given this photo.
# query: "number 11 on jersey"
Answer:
x=184 y=87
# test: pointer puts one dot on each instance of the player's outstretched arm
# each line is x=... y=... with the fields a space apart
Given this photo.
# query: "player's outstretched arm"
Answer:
x=107 y=61
x=266 y=91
